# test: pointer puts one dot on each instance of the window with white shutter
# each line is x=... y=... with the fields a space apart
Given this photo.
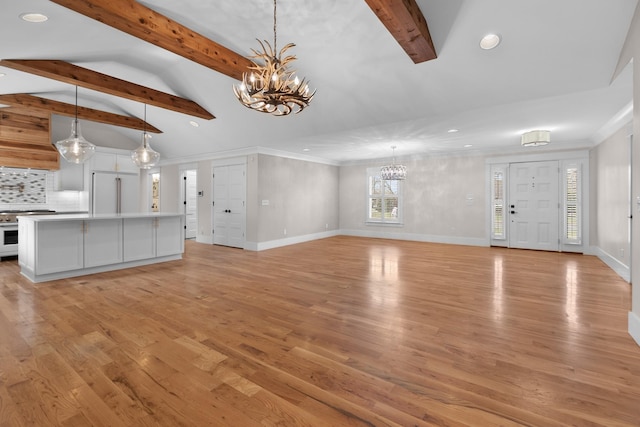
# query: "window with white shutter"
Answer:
x=384 y=199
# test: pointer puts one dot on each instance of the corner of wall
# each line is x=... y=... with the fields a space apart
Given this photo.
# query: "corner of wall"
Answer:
x=634 y=326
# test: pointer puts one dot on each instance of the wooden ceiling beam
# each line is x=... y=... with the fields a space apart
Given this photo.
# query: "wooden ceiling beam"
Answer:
x=146 y=24
x=407 y=25
x=30 y=103
x=78 y=76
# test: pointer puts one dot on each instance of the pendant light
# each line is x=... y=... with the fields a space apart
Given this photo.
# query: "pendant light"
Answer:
x=144 y=156
x=75 y=149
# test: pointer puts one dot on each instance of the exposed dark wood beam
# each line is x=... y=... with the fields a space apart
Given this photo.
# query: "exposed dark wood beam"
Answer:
x=139 y=21
x=407 y=25
x=30 y=102
x=75 y=75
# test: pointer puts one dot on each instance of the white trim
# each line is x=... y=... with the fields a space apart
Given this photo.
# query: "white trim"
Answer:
x=621 y=269
x=246 y=152
x=467 y=241
x=540 y=157
x=452 y=240
x=205 y=239
x=38 y=278
x=634 y=326
x=229 y=161
x=271 y=244
x=623 y=118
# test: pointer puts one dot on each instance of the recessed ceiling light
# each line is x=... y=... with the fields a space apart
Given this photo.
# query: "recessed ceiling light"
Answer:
x=468 y=145
x=33 y=17
x=452 y=130
x=490 y=41
x=2 y=74
x=194 y=124
x=306 y=149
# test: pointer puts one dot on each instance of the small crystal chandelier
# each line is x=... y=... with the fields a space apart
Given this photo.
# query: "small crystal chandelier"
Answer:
x=75 y=149
x=144 y=156
x=393 y=172
x=273 y=88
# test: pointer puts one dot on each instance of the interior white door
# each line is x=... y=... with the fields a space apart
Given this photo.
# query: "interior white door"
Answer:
x=229 y=209
x=236 y=185
x=190 y=203
x=534 y=205
x=220 y=205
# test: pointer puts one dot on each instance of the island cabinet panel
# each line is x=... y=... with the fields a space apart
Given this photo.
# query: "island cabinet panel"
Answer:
x=102 y=242
x=59 y=246
x=168 y=242
x=140 y=238
x=53 y=247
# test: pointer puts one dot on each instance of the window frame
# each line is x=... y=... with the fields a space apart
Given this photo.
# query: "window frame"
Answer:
x=567 y=204
x=374 y=172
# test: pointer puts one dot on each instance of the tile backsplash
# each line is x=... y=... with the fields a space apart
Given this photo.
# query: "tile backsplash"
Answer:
x=24 y=189
x=19 y=187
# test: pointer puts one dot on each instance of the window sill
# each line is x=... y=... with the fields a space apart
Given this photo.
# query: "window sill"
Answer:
x=384 y=224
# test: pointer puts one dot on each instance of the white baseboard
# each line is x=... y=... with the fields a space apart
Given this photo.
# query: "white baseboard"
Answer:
x=254 y=246
x=205 y=239
x=634 y=326
x=468 y=241
x=621 y=269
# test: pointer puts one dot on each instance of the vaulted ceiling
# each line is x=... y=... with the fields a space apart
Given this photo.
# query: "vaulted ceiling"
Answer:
x=554 y=69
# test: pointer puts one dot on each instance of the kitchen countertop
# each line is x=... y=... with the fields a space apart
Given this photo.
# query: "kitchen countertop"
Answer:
x=89 y=217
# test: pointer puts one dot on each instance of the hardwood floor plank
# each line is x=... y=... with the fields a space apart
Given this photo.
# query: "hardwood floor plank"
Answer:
x=342 y=331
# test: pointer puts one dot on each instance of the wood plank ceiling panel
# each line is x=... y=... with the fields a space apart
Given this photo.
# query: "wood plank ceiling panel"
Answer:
x=75 y=75
x=25 y=140
x=146 y=24
x=407 y=25
x=34 y=103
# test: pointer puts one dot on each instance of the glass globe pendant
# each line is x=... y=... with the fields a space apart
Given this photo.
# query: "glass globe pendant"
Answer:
x=144 y=156
x=75 y=149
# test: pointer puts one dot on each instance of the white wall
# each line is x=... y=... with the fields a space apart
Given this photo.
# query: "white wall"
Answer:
x=302 y=199
x=444 y=201
x=170 y=189
x=631 y=50
x=204 y=180
x=610 y=177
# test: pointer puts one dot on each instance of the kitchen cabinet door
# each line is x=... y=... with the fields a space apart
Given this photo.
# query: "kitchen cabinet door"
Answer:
x=102 y=242
x=139 y=238
x=59 y=246
x=125 y=164
x=169 y=236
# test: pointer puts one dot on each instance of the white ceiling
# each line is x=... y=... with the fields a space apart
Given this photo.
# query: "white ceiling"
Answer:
x=553 y=70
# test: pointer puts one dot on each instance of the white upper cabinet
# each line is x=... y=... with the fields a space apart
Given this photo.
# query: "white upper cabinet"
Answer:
x=113 y=162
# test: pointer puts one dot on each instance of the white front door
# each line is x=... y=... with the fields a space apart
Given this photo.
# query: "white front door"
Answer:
x=534 y=205
x=229 y=210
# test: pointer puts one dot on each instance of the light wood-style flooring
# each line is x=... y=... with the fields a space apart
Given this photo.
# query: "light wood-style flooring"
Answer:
x=343 y=331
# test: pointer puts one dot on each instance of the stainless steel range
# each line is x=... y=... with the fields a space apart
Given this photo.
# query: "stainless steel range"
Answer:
x=9 y=229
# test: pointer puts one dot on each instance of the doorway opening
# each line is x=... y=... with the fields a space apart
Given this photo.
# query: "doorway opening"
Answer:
x=155 y=192
x=190 y=202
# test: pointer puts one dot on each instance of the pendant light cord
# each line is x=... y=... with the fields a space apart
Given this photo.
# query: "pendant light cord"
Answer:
x=144 y=127
x=75 y=127
x=274 y=26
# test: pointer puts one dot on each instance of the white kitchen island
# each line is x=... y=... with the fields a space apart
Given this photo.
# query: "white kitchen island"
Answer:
x=53 y=247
